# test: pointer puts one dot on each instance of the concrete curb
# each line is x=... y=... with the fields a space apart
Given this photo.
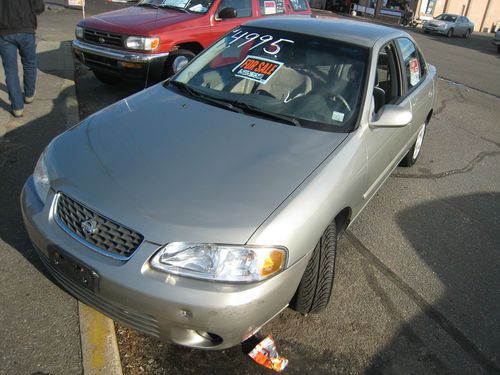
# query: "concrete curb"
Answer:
x=100 y=355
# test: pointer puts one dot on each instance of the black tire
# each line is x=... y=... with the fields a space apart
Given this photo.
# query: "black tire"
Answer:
x=315 y=288
x=426 y=31
x=410 y=158
x=467 y=33
x=449 y=34
x=173 y=61
x=108 y=79
x=498 y=49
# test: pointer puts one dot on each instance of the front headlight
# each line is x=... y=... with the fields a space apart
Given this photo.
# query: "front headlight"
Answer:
x=144 y=44
x=79 y=32
x=444 y=26
x=41 y=178
x=226 y=263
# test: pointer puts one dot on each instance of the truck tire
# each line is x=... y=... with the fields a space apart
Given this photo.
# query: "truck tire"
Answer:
x=315 y=288
x=108 y=79
x=176 y=60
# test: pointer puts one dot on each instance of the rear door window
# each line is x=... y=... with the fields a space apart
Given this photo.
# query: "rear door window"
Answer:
x=414 y=65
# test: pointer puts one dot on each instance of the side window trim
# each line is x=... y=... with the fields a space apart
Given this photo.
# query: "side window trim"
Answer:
x=408 y=90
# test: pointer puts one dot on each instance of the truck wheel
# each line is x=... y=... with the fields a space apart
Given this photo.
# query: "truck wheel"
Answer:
x=108 y=79
x=315 y=288
x=412 y=155
x=177 y=60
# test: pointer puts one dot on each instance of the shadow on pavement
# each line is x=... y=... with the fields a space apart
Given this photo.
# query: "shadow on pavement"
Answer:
x=463 y=253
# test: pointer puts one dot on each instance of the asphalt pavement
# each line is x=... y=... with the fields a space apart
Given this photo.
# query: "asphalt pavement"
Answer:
x=417 y=274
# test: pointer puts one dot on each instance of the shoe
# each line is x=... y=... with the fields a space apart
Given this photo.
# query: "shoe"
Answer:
x=18 y=112
x=29 y=99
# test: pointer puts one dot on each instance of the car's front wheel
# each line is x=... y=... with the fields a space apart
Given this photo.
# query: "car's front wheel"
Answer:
x=315 y=288
x=449 y=34
x=412 y=155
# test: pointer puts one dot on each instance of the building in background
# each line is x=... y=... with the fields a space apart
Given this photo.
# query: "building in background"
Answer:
x=484 y=13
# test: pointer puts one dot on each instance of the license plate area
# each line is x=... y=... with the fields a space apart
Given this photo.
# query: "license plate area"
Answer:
x=80 y=274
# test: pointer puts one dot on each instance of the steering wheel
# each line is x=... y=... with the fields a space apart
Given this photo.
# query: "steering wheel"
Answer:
x=342 y=100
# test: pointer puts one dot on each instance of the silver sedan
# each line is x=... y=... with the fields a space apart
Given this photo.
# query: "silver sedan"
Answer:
x=449 y=25
x=199 y=209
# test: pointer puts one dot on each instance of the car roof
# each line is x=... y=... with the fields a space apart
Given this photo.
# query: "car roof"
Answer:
x=356 y=32
x=451 y=14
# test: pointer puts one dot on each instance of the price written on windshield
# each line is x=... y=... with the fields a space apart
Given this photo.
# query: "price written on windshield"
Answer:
x=273 y=47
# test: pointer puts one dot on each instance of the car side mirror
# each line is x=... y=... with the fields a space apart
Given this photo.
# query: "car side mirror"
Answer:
x=392 y=116
x=226 y=13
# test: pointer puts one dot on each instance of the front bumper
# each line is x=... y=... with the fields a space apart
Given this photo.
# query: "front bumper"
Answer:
x=437 y=30
x=119 y=62
x=180 y=310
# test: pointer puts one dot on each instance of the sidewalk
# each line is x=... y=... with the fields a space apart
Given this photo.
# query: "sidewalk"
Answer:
x=39 y=322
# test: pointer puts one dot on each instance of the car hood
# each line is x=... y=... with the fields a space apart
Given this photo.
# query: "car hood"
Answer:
x=136 y=20
x=176 y=169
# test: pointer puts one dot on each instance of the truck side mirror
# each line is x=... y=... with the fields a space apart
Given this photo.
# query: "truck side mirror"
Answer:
x=226 y=13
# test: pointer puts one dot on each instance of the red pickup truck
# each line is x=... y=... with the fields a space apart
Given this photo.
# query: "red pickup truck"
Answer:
x=156 y=38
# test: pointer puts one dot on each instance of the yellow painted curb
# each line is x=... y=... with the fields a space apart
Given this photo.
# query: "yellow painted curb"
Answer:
x=100 y=353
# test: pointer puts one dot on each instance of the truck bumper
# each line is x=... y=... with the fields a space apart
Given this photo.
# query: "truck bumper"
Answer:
x=120 y=63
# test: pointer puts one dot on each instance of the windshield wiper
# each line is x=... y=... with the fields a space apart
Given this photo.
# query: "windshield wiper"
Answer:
x=149 y=5
x=174 y=8
x=195 y=93
x=259 y=112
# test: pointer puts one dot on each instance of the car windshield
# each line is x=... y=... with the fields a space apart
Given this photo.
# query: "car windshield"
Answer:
x=447 y=18
x=195 y=6
x=284 y=76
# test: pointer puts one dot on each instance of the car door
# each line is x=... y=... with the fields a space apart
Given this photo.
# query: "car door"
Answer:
x=418 y=86
x=383 y=144
x=245 y=11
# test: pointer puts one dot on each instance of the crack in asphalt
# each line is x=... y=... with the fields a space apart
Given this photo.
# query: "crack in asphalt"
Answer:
x=430 y=311
x=469 y=167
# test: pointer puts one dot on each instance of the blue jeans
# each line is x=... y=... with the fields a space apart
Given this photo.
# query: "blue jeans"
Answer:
x=9 y=46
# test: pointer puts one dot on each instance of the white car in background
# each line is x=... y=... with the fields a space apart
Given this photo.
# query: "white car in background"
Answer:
x=449 y=25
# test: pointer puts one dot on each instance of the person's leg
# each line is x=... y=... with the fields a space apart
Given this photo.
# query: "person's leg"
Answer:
x=27 y=50
x=8 y=52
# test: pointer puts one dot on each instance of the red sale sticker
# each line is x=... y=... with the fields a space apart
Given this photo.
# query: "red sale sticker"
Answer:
x=257 y=69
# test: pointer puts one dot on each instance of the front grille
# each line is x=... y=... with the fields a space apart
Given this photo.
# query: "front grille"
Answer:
x=102 y=233
x=133 y=319
x=103 y=38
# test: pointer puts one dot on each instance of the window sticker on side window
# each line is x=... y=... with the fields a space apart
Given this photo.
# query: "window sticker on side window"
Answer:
x=414 y=72
x=269 y=7
x=257 y=69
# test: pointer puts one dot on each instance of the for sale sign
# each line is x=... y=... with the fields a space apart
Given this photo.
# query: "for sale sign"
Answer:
x=257 y=69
